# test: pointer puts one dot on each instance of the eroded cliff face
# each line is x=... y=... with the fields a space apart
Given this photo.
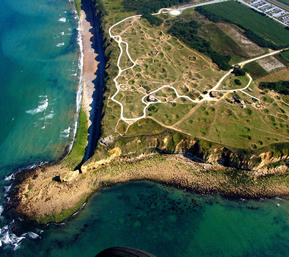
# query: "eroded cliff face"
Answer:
x=93 y=165
x=52 y=193
x=262 y=164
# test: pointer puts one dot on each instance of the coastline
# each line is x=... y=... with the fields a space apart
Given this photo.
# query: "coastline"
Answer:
x=89 y=66
x=42 y=196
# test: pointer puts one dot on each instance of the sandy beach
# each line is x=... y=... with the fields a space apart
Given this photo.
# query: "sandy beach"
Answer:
x=89 y=65
x=39 y=195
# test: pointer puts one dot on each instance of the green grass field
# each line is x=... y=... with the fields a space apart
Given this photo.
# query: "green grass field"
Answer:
x=284 y=2
x=285 y=55
x=163 y=60
x=218 y=39
x=78 y=150
x=247 y=18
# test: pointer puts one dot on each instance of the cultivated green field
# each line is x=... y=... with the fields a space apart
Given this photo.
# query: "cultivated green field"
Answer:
x=247 y=18
x=285 y=55
x=284 y=1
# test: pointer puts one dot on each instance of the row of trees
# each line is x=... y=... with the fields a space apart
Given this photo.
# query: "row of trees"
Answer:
x=149 y=6
x=282 y=87
x=153 y=20
x=187 y=32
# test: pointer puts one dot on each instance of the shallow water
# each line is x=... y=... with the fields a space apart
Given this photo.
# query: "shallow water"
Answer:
x=167 y=222
x=40 y=75
x=39 y=71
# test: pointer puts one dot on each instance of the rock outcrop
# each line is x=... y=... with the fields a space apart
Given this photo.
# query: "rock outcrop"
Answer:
x=69 y=176
x=93 y=165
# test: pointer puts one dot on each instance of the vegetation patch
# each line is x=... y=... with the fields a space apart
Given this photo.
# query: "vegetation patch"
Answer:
x=149 y=6
x=145 y=127
x=153 y=20
x=187 y=32
x=282 y=87
x=285 y=55
x=255 y=70
x=75 y=157
x=263 y=31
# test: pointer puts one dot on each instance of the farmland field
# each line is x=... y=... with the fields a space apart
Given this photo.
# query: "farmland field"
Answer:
x=284 y=1
x=261 y=25
x=285 y=55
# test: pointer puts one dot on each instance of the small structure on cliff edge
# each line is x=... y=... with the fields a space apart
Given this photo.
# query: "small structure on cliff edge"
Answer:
x=106 y=140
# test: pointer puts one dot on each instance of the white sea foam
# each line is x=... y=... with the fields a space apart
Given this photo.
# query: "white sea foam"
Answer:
x=1 y=209
x=48 y=116
x=29 y=167
x=63 y=19
x=65 y=133
x=80 y=66
x=6 y=189
x=39 y=231
x=41 y=107
x=10 y=177
x=31 y=235
x=81 y=207
x=60 y=44
x=9 y=238
x=79 y=91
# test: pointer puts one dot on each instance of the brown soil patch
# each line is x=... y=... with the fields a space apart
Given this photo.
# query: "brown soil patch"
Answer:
x=276 y=76
x=270 y=64
x=247 y=45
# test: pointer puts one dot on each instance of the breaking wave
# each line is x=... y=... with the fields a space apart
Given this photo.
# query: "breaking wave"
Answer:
x=7 y=237
x=41 y=107
x=60 y=44
x=63 y=19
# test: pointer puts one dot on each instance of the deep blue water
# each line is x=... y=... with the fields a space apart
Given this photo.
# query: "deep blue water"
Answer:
x=40 y=73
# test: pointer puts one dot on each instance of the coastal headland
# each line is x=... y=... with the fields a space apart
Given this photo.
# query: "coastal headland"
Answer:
x=148 y=148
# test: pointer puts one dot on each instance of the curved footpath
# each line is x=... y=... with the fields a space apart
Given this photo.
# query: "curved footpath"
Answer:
x=39 y=196
x=206 y=97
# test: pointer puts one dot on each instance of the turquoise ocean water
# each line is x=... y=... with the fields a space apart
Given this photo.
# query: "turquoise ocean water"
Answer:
x=40 y=73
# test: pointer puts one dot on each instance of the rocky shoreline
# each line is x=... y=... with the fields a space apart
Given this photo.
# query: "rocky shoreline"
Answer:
x=40 y=196
x=52 y=193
